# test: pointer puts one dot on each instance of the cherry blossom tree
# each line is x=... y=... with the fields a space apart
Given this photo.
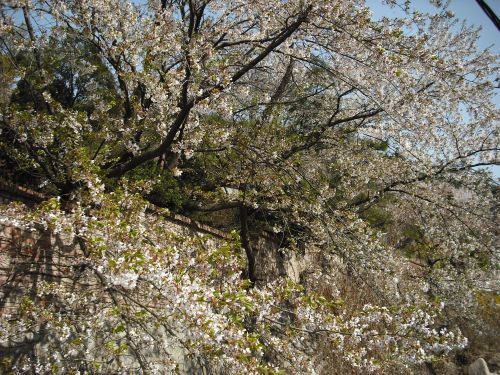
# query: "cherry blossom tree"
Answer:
x=357 y=142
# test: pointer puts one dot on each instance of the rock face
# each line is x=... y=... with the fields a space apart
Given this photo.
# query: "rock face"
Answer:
x=272 y=262
x=479 y=367
x=443 y=368
x=494 y=362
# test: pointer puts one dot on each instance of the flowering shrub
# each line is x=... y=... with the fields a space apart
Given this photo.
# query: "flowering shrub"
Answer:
x=141 y=295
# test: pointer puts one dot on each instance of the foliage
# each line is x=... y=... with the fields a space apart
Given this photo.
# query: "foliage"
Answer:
x=165 y=190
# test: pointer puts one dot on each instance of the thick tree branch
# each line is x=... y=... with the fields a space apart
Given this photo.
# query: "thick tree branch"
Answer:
x=160 y=150
x=245 y=242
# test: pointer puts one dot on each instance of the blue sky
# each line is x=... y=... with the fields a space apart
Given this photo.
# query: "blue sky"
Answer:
x=467 y=10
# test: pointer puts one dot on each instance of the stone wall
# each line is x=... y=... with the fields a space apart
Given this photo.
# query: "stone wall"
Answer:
x=29 y=257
